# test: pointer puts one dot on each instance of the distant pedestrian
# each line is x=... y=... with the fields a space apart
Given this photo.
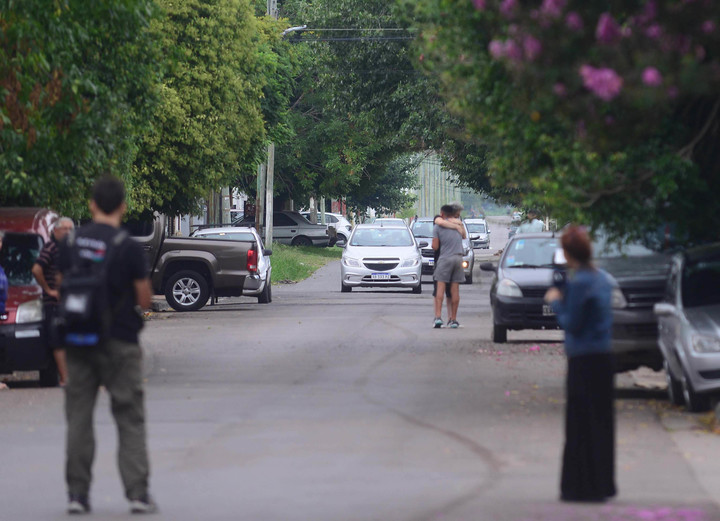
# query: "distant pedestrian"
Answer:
x=44 y=270
x=532 y=224
x=111 y=358
x=3 y=286
x=583 y=308
x=448 y=269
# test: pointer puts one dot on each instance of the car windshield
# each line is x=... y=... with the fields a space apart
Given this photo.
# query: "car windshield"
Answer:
x=701 y=284
x=423 y=229
x=476 y=227
x=228 y=236
x=603 y=248
x=382 y=237
x=18 y=254
x=531 y=253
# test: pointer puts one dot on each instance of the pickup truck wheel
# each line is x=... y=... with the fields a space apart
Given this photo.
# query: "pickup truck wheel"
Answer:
x=301 y=241
x=499 y=335
x=266 y=296
x=187 y=291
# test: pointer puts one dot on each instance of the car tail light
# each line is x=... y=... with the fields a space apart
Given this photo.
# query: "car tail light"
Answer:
x=252 y=261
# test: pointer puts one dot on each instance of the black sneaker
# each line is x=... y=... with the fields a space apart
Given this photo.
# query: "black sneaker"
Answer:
x=143 y=505
x=78 y=504
x=438 y=323
x=453 y=324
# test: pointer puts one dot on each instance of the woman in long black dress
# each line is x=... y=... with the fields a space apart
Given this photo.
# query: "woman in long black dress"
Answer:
x=583 y=307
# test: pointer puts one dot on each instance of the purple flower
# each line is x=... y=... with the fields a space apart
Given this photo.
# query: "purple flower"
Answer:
x=553 y=8
x=560 y=90
x=513 y=51
x=652 y=77
x=480 y=5
x=574 y=21
x=497 y=49
x=608 y=30
x=649 y=13
x=605 y=83
x=708 y=27
x=532 y=47
x=508 y=7
x=654 y=31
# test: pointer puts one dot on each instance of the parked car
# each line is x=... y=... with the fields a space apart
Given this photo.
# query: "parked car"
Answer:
x=190 y=270
x=423 y=229
x=23 y=344
x=258 y=283
x=292 y=228
x=478 y=233
x=390 y=220
x=381 y=256
x=689 y=328
x=522 y=277
x=338 y=222
x=641 y=276
x=513 y=229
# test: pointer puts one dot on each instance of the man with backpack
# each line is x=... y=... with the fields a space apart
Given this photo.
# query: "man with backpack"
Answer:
x=103 y=286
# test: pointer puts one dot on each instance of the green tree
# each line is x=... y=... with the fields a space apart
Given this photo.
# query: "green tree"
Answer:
x=77 y=88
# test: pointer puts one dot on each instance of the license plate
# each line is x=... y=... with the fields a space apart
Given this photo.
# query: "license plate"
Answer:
x=547 y=310
x=380 y=276
x=431 y=262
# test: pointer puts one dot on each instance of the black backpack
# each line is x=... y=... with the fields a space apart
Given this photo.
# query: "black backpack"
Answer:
x=84 y=311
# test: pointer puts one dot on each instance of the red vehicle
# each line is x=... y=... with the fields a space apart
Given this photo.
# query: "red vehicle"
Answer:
x=22 y=335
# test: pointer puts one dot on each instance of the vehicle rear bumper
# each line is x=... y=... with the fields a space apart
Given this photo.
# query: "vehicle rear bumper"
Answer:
x=23 y=347
x=522 y=313
x=254 y=285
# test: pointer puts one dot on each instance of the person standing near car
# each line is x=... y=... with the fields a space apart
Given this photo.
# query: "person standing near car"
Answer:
x=532 y=224
x=448 y=268
x=115 y=361
x=45 y=270
x=584 y=311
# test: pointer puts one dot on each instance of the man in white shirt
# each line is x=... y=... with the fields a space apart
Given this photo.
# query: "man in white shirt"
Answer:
x=532 y=224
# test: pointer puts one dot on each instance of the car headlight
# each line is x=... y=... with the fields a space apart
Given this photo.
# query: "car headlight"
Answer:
x=28 y=312
x=465 y=264
x=349 y=261
x=617 y=299
x=706 y=344
x=409 y=263
x=508 y=288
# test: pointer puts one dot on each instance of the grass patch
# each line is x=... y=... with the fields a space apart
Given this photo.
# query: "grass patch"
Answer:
x=296 y=263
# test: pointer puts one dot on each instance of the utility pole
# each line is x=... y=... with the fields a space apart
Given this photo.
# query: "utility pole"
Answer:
x=272 y=12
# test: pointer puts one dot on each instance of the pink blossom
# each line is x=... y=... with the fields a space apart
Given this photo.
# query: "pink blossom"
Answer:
x=553 y=8
x=649 y=13
x=708 y=27
x=560 y=90
x=652 y=77
x=605 y=83
x=608 y=30
x=480 y=5
x=513 y=51
x=574 y=21
x=508 y=7
x=654 y=31
x=497 y=49
x=532 y=47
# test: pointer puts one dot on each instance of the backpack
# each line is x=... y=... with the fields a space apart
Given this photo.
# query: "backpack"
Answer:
x=84 y=311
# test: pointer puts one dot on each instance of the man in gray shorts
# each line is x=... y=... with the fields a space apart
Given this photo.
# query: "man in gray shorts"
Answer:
x=448 y=269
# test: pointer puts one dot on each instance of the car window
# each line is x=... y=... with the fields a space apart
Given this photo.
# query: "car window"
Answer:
x=701 y=284
x=280 y=219
x=531 y=252
x=382 y=237
x=228 y=236
x=423 y=229
x=18 y=255
x=604 y=249
x=476 y=227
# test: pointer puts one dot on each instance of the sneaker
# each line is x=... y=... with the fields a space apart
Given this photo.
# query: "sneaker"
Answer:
x=454 y=324
x=78 y=504
x=143 y=505
x=438 y=322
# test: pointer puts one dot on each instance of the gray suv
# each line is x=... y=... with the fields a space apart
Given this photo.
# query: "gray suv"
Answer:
x=292 y=228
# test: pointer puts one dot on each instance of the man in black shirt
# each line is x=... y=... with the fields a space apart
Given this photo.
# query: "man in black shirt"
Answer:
x=116 y=362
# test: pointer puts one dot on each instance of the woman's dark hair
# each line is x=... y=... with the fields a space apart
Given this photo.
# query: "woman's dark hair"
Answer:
x=576 y=243
x=108 y=193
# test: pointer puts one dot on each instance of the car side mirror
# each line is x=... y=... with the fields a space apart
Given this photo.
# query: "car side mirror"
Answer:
x=267 y=252
x=488 y=266
x=663 y=309
x=423 y=244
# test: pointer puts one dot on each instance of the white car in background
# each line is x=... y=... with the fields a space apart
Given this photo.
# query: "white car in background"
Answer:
x=335 y=220
x=257 y=284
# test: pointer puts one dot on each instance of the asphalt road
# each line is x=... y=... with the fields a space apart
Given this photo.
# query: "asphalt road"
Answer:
x=325 y=406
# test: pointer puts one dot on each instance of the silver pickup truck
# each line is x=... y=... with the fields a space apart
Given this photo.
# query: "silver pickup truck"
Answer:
x=191 y=270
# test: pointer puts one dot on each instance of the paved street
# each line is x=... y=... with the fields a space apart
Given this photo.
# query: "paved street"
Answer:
x=325 y=406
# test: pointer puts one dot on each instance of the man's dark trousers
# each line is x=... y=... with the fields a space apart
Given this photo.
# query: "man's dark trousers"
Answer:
x=117 y=365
